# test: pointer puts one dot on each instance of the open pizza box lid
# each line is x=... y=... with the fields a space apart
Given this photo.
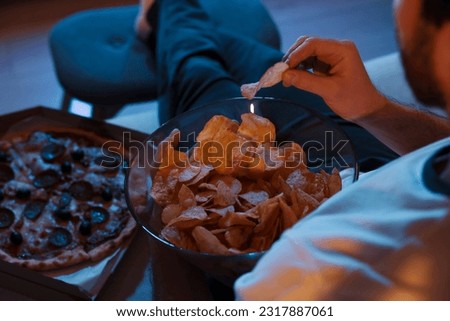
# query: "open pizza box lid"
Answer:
x=81 y=282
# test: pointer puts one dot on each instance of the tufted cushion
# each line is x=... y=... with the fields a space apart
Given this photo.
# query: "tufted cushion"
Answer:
x=99 y=59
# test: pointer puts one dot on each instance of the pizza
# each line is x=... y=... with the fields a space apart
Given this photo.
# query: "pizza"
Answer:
x=61 y=200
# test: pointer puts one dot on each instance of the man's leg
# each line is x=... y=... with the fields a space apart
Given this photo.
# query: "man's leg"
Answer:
x=199 y=63
x=189 y=66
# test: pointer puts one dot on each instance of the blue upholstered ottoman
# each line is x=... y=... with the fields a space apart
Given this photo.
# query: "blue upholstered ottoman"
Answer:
x=99 y=59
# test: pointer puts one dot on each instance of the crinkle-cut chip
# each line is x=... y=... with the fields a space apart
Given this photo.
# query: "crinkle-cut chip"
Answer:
x=188 y=173
x=170 y=212
x=271 y=77
x=165 y=186
x=288 y=215
x=189 y=218
x=208 y=242
x=215 y=127
x=257 y=128
x=233 y=219
x=221 y=211
x=237 y=237
x=186 y=197
x=254 y=198
x=334 y=183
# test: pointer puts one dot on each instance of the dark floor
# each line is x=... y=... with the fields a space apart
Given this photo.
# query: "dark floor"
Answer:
x=26 y=73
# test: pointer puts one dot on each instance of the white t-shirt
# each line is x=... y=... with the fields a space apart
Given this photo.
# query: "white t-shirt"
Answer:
x=385 y=237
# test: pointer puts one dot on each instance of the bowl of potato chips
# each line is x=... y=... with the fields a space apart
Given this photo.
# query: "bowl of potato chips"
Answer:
x=218 y=185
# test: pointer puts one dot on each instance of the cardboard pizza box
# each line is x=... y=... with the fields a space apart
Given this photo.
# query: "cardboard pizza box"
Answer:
x=81 y=282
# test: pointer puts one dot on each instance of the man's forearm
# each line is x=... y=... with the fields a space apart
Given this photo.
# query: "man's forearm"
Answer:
x=404 y=129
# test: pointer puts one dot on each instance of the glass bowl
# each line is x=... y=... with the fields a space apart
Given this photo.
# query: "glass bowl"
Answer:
x=317 y=134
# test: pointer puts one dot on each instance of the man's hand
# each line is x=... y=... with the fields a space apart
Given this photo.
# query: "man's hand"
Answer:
x=141 y=25
x=346 y=87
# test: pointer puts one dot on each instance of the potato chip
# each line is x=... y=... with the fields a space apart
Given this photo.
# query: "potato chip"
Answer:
x=256 y=128
x=237 y=237
x=288 y=215
x=234 y=219
x=271 y=77
x=334 y=183
x=269 y=212
x=167 y=156
x=171 y=212
x=186 y=197
x=165 y=185
x=303 y=198
x=293 y=155
x=221 y=211
x=189 y=173
x=204 y=172
x=297 y=179
x=189 y=218
x=205 y=197
x=231 y=182
x=254 y=198
x=207 y=242
x=179 y=238
x=215 y=128
x=169 y=142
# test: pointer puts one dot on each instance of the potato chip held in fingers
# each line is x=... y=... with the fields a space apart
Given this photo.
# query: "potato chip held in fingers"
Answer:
x=271 y=77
